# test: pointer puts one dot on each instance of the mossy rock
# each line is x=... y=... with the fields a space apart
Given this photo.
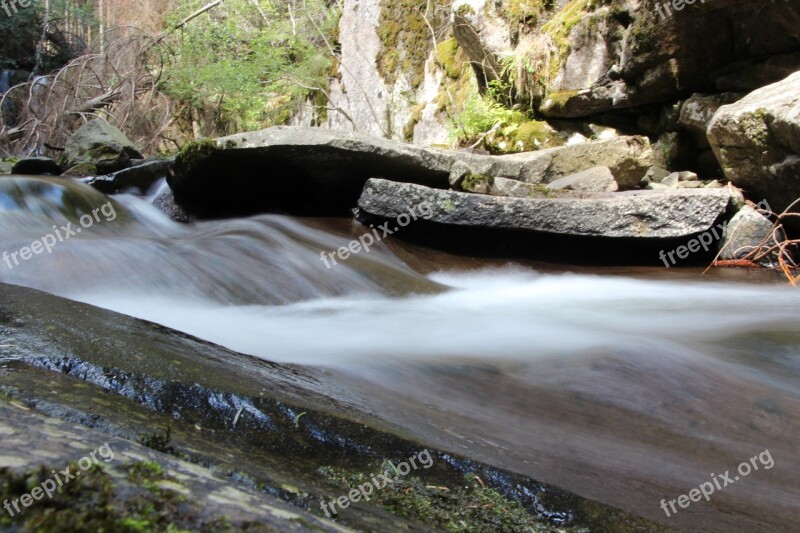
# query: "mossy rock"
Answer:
x=100 y=144
x=450 y=57
x=406 y=40
x=477 y=183
x=191 y=156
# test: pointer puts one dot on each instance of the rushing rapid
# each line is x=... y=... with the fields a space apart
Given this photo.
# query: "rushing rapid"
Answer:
x=625 y=389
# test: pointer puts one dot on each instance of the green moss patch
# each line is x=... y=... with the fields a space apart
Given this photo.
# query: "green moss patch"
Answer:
x=406 y=39
x=466 y=506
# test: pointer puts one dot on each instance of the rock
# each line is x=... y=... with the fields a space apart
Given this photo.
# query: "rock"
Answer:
x=686 y=175
x=638 y=54
x=140 y=177
x=697 y=112
x=128 y=476
x=100 y=144
x=165 y=202
x=297 y=170
x=667 y=150
x=636 y=214
x=81 y=170
x=757 y=142
x=713 y=184
x=656 y=174
x=596 y=179
x=691 y=184
x=458 y=172
x=511 y=188
x=657 y=187
x=477 y=183
x=481 y=33
x=628 y=158
x=671 y=181
x=747 y=230
x=5 y=167
x=37 y=166
x=751 y=74
x=319 y=171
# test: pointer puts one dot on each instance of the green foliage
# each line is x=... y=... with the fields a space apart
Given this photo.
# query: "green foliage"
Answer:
x=482 y=112
x=252 y=67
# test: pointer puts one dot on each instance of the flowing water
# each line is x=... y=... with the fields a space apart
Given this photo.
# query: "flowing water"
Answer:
x=623 y=388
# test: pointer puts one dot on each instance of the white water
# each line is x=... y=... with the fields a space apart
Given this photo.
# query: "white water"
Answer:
x=258 y=286
x=501 y=314
x=622 y=389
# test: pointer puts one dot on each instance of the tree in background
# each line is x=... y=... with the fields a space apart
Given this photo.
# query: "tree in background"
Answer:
x=204 y=68
x=246 y=64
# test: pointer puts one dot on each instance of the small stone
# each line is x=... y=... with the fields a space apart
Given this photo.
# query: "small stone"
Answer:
x=671 y=181
x=596 y=179
x=747 y=230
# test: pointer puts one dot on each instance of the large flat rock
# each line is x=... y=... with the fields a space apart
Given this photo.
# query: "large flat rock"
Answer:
x=322 y=172
x=637 y=214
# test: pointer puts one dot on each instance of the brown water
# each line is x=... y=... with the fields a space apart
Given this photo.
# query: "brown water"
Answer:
x=628 y=386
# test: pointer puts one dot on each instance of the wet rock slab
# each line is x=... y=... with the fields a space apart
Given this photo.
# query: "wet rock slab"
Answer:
x=206 y=499
x=637 y=214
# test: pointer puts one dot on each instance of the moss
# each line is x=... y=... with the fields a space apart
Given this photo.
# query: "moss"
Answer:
x=465 y=506
x=559 y=99
x=158 y=441
x=416 y=117
x=406 y=38
x=526 y=11
x=540 y=190
x=536 y=134
x=192 y=155
x=478 y=183
x=756 y=126
x=450 y=57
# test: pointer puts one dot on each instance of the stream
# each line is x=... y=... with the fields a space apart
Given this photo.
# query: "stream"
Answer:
x=627 y=386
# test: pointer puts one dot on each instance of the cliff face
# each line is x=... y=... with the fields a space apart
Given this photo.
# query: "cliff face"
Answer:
x=405 y=73
x=388 y=80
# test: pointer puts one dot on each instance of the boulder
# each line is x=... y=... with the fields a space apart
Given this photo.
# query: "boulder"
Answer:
x=37 y=166
x=5 y=167
x=628 y=158
x=746 y=231
x=297 y=170
x=697 y=112
x=322 y=172
x=596 y=179
x=637 y=53
x=636 y=214
x=100 y=144
x=140 y=177
x=757 y=142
